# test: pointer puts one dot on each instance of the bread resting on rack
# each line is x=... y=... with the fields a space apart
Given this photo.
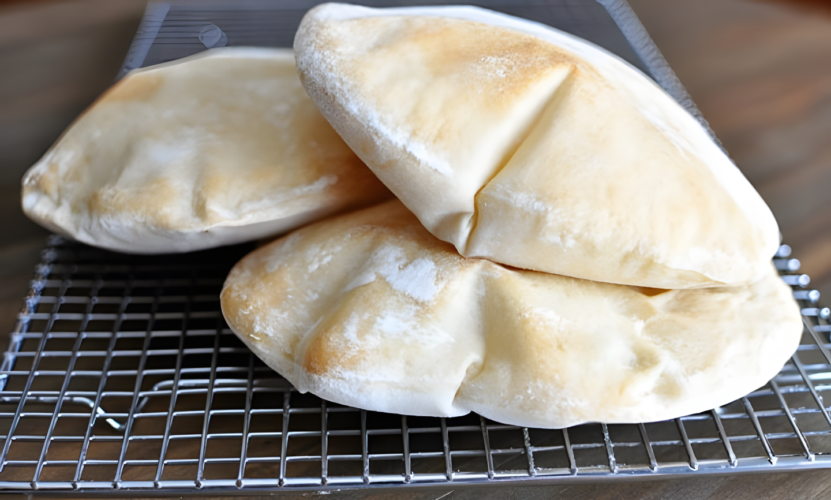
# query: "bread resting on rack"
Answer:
x=528 y=146
x=209 y=150
x=370 y=310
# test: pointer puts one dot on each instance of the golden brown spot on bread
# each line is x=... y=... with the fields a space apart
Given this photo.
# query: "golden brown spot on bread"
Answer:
x=453 y=44
x=140 y=87
x=211 y=188
x=326 y=350
x=150 y=202
x=232 y=303
x=47 y=181
x=669 y=387
x=650 y=292
x=646 y=357
x=321 y=355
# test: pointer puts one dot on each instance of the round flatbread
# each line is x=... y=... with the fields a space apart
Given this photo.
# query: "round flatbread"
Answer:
x=371 y=310
x=221 y=147
x=522 y=144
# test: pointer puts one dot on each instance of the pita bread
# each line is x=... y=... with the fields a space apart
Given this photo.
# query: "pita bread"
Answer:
x=370 y=310
x=530 y=147
x=209 y=150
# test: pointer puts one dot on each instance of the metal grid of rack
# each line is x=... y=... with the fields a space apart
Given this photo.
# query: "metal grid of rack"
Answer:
x=122 y=375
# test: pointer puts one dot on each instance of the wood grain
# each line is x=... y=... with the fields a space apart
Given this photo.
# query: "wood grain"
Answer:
x=801 y=485
x=55 y=59
x=761 y=74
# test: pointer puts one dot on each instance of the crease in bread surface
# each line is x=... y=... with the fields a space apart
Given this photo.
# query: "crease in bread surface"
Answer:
x=370 y=310
x=217 y=148
x=500 y=134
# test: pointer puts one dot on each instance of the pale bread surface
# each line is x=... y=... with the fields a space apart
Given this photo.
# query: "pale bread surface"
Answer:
x=221 y=147
x=370 y=310
x=525 y=145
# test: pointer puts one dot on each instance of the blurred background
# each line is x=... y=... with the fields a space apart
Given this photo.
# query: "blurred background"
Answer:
x=760 y=70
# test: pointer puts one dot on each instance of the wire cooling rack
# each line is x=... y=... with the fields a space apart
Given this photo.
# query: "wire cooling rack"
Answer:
x=121 y=375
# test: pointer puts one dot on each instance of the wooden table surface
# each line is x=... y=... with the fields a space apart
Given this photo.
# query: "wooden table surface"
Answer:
x=759 y=71
x=761 y=74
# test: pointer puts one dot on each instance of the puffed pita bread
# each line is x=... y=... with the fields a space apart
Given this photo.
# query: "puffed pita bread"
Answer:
x=370 y=310
x=209 y=150
x=528 y=146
